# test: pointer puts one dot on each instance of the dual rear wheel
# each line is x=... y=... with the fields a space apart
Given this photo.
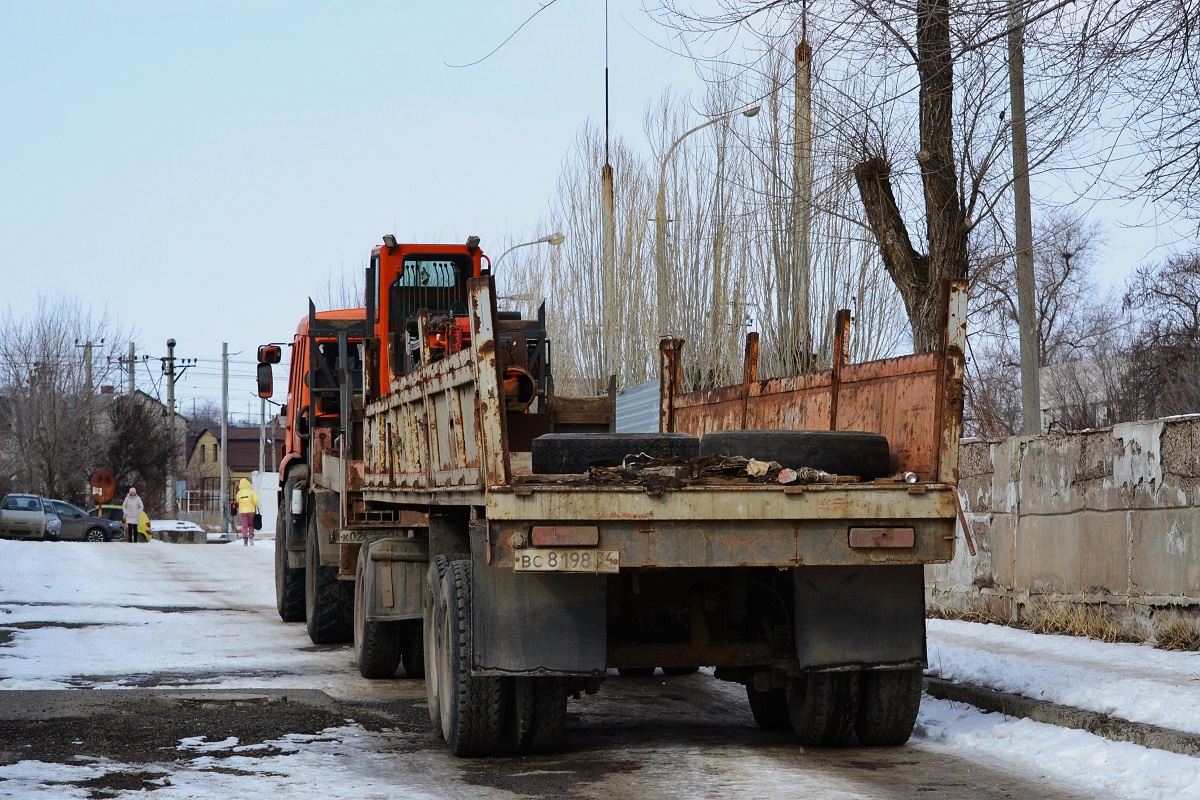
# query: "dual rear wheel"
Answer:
x=827 y=709
x=480 y=715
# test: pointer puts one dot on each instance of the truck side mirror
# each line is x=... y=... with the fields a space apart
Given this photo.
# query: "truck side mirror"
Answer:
x=269 y=354
x=265 y=387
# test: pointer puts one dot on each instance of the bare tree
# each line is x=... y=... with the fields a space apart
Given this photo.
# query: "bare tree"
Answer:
x=137 y=447
x=53 y=436
x=1165 y=356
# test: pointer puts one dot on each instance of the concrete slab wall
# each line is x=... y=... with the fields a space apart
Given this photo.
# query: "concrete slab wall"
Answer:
x=1107 y=516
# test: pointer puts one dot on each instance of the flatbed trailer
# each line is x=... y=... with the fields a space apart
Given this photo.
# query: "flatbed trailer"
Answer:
x=539 y=569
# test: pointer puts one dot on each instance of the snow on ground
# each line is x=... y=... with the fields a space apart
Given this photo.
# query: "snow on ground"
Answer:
x=1131 y=681
x=121 y=605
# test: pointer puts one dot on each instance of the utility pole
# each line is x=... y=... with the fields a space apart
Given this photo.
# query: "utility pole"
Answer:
x=171 y=512
x=91 y=386
x=262 y=436
x=132 y=364
x=1027 y=323
x=225 y=435
x=802 y=179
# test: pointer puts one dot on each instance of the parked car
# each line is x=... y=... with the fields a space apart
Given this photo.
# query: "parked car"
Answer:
x=53 y=521
x=80 y=526
x=22 y=516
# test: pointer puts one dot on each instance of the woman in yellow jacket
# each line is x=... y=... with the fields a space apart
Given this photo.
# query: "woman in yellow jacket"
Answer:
x=247 y=505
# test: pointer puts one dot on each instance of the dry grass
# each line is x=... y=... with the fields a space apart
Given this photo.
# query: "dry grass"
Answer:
x=997 y=612
x=1176 y=632
x=1073 y=619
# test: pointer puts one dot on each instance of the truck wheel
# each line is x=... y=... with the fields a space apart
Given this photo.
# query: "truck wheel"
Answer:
x=770 y=709
x=473 y=709
x=839 y=452
x=887 y=707
x=376 y=644
x=575 y=452
x=823 y=707
x=412 y=648
x=289 y=582
x=539 y=714
x=328 y=602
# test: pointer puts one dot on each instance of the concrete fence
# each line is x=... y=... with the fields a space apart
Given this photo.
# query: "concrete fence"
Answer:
x=1108 y=517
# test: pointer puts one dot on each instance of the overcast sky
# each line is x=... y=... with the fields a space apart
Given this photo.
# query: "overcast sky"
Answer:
x=199 y=167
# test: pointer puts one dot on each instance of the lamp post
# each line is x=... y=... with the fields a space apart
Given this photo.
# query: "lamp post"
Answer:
x=552 y=239
x=660 y=217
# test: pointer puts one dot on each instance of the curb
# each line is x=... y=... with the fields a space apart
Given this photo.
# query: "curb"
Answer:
x=1115 y=728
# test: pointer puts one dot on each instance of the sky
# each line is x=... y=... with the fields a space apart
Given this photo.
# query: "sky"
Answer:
x=200 y=168
x=73 y=627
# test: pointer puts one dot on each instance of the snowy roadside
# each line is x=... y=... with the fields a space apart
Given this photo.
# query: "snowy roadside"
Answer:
x=1134 y=682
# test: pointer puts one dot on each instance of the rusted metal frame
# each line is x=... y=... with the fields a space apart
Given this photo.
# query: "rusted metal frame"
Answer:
x=726 y=543
x=749 y=371
x=825 y=501
x=423 y=498
x=668 y=382
x=841 y=355
x=950 y=387
x=489 y=396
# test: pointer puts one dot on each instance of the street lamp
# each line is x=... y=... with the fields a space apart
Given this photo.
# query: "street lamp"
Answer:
x=660 y=216
x=552 y=239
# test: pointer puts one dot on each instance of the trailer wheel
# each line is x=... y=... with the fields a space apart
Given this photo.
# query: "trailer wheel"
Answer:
x=289 y=581
x=770 y=709
x=888 y=704
x=823 y=707
x=839 y=452
x=471 y=708
x=328 y=602
x=576 y=452
x=538 y=714
x=412 y=648
x=376 y=644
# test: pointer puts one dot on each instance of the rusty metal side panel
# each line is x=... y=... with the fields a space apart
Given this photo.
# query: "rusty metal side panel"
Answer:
x=489 y=399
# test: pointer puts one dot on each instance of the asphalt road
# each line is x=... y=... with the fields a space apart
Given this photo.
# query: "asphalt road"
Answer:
x=331 y=734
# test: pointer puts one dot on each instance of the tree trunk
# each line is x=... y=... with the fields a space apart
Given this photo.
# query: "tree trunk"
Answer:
x=918 y=277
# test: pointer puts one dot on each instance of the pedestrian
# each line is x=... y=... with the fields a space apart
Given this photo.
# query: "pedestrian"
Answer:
x=131 y=511
x=247 y=506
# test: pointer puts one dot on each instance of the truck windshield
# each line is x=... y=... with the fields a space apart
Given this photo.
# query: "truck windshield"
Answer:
x=433 y=282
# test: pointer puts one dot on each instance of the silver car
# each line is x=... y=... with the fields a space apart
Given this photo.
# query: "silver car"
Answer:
x=53 y=523
x=79 y=526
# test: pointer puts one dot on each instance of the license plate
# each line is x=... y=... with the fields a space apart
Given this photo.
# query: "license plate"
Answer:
x=565 y=560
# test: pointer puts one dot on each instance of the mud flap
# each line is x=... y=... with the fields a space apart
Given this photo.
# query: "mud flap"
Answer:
x=394 y=579
x=860 y=616
x=538 y=623
x=328 y=511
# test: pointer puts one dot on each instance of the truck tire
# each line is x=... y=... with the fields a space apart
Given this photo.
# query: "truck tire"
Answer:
x=472 y=709
x=435 y=679
x=839 y=452
x=770 y=709
x=555 y=453
x=823 y=707
x=289 y=581
x=376 y=644
x=887 y=706
x=328 y=602
x=412 y=648
x=539 y=714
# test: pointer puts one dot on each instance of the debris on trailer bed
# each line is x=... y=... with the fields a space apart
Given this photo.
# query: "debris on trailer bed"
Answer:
x=672 y=472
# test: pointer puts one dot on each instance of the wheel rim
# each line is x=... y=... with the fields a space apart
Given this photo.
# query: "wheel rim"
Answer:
x=95 y=535
x=445 y=668
x=360 y=615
